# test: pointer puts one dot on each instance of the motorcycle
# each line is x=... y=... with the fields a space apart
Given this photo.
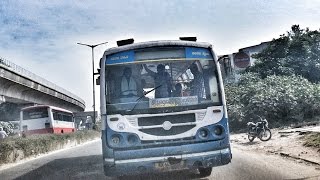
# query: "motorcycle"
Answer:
x=259 y=129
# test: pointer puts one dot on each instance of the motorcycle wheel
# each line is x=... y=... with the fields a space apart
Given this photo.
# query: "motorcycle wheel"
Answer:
x=251 y=138
x=265 y=135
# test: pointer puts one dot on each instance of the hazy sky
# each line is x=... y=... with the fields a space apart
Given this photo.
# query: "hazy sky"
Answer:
x=41 y=35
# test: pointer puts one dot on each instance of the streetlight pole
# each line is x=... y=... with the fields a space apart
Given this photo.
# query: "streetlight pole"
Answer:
x=92 y=46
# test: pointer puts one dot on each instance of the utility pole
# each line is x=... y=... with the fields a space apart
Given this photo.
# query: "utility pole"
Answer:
x=92 y=46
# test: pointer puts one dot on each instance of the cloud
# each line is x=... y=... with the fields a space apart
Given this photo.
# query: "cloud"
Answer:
x=41 y=35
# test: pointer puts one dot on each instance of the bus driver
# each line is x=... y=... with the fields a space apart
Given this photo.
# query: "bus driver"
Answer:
x=128 y=84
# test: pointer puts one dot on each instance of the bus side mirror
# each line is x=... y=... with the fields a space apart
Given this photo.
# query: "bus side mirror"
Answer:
x=98 y=81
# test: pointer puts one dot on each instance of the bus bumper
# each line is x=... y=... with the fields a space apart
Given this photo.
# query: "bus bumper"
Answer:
x=212 y=158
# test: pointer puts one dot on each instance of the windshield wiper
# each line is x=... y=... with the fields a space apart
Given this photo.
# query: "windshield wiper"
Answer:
x=137 y=101
x=148 y=92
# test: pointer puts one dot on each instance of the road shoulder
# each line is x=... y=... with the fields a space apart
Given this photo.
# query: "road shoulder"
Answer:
x=285 y=143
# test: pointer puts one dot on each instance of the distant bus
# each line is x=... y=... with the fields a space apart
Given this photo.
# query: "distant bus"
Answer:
x=44 y=119
x=163 y=108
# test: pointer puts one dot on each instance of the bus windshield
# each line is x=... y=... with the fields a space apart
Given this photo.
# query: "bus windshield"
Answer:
x=161 y=86
x=35 y=113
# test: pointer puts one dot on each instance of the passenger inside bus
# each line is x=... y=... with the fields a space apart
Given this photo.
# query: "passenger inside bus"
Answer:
x=197 y=84
x=178 y=90
x=128 y=84
x=143 y=85
x=162 y=81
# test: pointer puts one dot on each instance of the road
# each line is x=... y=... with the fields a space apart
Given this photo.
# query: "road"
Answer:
x=85 y=162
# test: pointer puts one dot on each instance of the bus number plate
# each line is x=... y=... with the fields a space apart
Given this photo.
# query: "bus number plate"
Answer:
x=167 y=166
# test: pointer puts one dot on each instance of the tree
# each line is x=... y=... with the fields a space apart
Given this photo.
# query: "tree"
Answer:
x=296 y=53
x=9 y=111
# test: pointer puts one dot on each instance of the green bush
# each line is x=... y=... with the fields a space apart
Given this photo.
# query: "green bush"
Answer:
x=279 y=99
x=7 y=127
x=278 y=85
x=5 y=151
x=38 y=144
x=312 y=140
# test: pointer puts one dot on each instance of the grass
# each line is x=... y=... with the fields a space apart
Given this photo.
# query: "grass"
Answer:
x=38 y=144
x=312 y=140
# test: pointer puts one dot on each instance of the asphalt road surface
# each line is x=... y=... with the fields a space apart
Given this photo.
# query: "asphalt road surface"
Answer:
x=85 y=162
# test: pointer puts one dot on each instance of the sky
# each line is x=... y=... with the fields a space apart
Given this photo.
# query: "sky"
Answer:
x=42 y=35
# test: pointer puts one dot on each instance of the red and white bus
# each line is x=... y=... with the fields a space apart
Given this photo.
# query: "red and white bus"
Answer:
x=43 y=119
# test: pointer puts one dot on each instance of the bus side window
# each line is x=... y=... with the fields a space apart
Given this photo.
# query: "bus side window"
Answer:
x=111 y=86
x=207 y=76
x=55 y=115
x=67 y=118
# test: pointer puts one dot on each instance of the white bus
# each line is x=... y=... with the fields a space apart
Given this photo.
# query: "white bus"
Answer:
x=43 y=119
x=163 y=108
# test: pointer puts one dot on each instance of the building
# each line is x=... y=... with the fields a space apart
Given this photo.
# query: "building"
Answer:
x=233 y=64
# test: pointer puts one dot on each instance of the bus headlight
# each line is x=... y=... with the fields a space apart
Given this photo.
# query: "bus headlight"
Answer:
x=132 y=139
x=121 y=126
x=115 y=139
x=203 y=133
x=217 y=130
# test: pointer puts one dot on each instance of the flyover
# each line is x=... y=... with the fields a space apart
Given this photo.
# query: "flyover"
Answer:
x=22 y=87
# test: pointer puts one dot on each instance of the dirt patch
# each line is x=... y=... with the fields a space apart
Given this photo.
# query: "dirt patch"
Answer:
x=287 y=143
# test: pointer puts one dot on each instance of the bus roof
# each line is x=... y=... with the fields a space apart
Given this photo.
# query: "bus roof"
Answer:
x=41 y=106
x=149 y=44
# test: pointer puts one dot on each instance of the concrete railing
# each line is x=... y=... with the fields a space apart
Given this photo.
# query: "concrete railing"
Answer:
x=23 y=72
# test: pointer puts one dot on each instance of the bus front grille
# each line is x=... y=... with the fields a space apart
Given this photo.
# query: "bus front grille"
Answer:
x=159 y=120
x=173 y=131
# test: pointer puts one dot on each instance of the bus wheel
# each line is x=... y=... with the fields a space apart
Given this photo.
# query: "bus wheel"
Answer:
x=116 y=178
x=205 y=172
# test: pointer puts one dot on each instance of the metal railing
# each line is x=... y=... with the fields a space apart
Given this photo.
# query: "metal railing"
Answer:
x=23 y=72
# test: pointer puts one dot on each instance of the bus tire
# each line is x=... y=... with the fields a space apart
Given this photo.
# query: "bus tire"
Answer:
x=115 y=177
x=205 y=172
